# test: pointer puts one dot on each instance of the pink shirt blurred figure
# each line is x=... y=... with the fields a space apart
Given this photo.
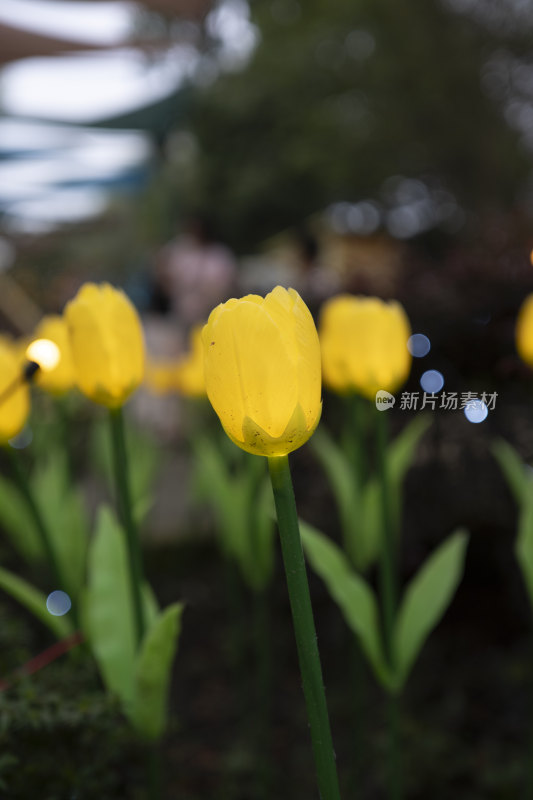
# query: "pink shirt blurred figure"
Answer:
x=197 y=274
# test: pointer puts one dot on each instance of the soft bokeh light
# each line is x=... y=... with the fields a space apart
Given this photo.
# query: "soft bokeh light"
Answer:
x=44 y=352
x=419 y=345
x=58 y=603
x=476 y=411
x=432 y=381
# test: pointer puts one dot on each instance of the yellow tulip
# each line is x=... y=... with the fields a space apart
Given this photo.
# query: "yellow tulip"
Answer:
x=190 y=374
x=107 y=344
x=524 y=331
x=14 y=405
x=262 y=371
x=58 y=378
x=364 y=345
x=160 y=376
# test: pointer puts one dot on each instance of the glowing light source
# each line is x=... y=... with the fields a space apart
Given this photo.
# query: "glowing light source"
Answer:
x=418 y=345
x=45 y=353
x=476 y=411
x=58 y=603
x=432 y=381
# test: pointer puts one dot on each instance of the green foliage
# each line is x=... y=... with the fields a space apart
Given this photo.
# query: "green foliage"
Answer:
x=144 y=461
x=359 y=505
x=314 y=117
x=516 y=472
x=240 y=496
x=524 y=541
x=152 y=675
x=425 y=601
x=63 y=513
x=139 y=678
x=34 y=601
x=65 y=518
x=520 y=481
x=62 y=737
x=17 y=522
x=352 y=594
x=107 y=607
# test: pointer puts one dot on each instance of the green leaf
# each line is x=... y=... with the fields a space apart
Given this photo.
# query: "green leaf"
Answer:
x=147 y=712
x=144 y=462
x=212 y=481
x=35 y=602
x=402 y=449
x=425 y=600
x=400 y=454
x=346 y=490
x=352 y=594
x=370 y=525
x=65 y=518
x=107 y=611
x=524 y=542
x=516 y=471
x=150 y=605
x=17 y=522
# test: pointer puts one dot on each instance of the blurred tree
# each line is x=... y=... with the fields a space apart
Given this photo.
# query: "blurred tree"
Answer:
x=339 y=96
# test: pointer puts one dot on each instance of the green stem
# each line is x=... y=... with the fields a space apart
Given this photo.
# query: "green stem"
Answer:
x=388 y=594
x=358 y=421
x=120 y=463
x=528 y=793
x=263 y=661
x=154 y=772
x=304 y=628
x=388 y=549
x=393 y=755
x=357 y=694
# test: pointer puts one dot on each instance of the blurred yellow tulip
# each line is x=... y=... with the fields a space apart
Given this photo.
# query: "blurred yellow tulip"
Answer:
x=190 y=373
x=184 y=375
x=160 y=376
x=262 y=371
x=14 y=405
x=56 y=375
x=364 y=345
x=107 y=344
x=524 y=331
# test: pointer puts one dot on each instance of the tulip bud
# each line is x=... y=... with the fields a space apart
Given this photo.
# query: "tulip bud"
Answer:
x=107 y=344
x=364 y=345
x=262 y=371
x=14 y=403
x=524 y=331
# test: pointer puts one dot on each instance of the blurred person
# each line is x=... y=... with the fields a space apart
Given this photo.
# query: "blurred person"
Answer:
x=196 y=272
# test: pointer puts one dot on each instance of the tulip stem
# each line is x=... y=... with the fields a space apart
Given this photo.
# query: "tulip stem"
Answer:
x=388 y=548
x=124 y=501
x=388 y=595
x=304 y=628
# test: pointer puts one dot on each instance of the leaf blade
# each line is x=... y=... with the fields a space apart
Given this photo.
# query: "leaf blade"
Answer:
x=426 y=598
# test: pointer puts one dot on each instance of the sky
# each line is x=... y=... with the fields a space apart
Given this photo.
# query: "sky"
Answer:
x=84 y=88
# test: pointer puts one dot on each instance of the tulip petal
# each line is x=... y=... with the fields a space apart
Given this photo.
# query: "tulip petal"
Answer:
x=262 y=371
x=15 y=407
x=107 y=343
